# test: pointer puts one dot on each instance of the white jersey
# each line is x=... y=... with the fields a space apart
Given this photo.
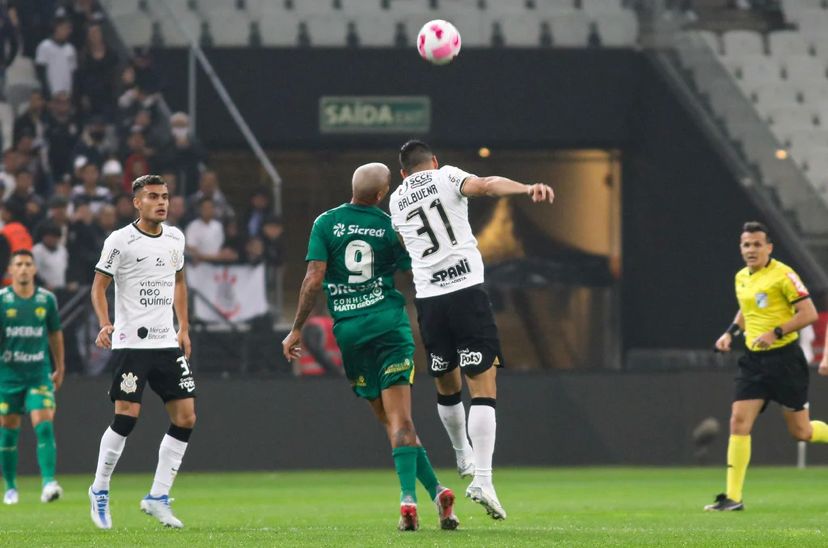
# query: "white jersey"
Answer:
x=143 y=267
x=432 y=216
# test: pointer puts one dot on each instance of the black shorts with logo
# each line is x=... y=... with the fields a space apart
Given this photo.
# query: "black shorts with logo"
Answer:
x=780 y=375
x=458 y=328
x=166 y=369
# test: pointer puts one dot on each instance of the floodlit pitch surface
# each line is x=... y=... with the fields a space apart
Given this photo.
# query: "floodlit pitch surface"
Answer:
x=546 y=507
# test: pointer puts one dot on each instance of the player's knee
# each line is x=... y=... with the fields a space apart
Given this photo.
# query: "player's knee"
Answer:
x=801 y=432
x=739 y=424
x=185 y=420
x=403 y=433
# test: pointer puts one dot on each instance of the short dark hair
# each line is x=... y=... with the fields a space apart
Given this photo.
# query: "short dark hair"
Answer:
x=414 y=153
x=24 y=252
x=146 y=180
x=204 y=199
x=756 y=226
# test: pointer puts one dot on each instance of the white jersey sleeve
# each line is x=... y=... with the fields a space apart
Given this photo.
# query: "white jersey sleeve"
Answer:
x=110 y=255
x=431 y=214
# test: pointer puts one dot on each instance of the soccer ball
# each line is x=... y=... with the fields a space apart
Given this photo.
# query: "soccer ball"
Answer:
x=438 y=42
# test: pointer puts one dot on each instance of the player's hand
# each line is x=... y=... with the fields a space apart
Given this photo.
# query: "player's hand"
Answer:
x=184 y=342
x=764 y=341
x=291 y=347
x=541 y=193
x=104 y=338
x=823 y=367
x=57 y=378
x=724 y=342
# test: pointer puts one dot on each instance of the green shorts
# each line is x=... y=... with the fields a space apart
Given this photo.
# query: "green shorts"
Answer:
x=377 y=351
x=24 y=397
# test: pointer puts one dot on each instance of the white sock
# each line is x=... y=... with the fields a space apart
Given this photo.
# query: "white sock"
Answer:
x=112 y=445
x=170 y=455
x=482 y=428
x=454 y=421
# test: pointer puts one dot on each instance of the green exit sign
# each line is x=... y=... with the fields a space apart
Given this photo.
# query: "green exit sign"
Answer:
x=375 y=114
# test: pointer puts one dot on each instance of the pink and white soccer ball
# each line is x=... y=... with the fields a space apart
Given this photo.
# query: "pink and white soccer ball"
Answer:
x=438 y=42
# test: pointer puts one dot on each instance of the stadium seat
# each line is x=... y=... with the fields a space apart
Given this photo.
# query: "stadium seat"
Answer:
x=402 y=8
x=802 y=139
x=791 y=117
x=7 y=124
x=742 y=42
x=782 y=43
x=121 y=7
x=814 y=93
x=209 y=6
x=594 y=7
x=819 y=43
x=618 y=29
x=710 y=38
x=792 y=9
x=821 y=111
x=521 y=30
x=506 y=7
x=816 y=162
x=547 y=8
x=813 y=22
x=135 y=29
x=327 y=30
x=229 y=27
x=802 y=69
x=570 y=30
x=171 y=28
x=279 y=28
x=306 y=8
x=178 y=7
x=775 y=94
x=361 y=7
x=378 y=30
x=757 y=71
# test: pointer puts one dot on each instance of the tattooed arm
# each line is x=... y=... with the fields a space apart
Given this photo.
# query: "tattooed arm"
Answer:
x=311 y=287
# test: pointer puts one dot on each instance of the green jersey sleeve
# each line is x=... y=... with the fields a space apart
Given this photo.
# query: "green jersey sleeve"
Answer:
x=401 y=256
x=317 y=244
x=52 y=315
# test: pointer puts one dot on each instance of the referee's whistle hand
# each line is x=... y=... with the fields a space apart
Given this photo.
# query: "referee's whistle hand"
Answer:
x=723 y=344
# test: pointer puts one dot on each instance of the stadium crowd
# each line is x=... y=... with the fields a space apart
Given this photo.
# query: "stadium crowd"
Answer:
x=95 y=124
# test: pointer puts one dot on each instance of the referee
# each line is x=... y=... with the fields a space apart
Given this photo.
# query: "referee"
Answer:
x=773 y=305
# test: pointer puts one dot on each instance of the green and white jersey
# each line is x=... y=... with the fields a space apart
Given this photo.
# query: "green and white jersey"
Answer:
x=26 y=325
x=363 y=252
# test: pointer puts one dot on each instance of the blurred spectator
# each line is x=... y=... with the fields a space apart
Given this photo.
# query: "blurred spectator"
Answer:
x=62 y=134
x=144 y=74
x=125 y=211
x=16 y=233
x=205 y=234
x=260 y=208
x=172 y=182
x=113 y=176
x=156 y=134
x=25 y=200
x=8 y=177
x=254 y=251
x=106 y=221
x=232 y=249
x=84 y=246
x=30 y=159
x=51 y=257
x=273 y=238
x=93 y=144
x=56 y=58
x=185 y=156
x=8 y=45
x=57 y=214
x=89 y=191
x=83 y=14
x=176 y=212
x=209 y=188
x=33 y=119
x=137 y=160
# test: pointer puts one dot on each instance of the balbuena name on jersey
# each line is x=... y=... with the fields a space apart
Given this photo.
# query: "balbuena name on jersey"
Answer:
x=144 y=268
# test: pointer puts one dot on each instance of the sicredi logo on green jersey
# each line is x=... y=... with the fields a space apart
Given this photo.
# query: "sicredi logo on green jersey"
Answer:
x=340 y=230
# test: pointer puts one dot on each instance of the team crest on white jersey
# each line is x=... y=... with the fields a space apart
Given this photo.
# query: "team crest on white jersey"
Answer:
x=129 y=384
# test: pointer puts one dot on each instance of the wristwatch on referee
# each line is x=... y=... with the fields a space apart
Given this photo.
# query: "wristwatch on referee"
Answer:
x=778 y=332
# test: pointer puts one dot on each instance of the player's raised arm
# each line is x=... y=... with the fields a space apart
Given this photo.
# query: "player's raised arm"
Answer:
x=101 y=307
x=497 y=186
x=311 y=287
x=181 y=312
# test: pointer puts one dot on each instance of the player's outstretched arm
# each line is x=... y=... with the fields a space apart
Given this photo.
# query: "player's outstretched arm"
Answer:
x=726 y=340
x=56 y=346
x=497 y=186
x=101 y=307
x=311 y=287
x=181 y=313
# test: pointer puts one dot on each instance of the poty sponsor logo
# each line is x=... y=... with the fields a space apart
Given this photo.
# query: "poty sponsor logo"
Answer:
x=438 y=363
x=470 y=358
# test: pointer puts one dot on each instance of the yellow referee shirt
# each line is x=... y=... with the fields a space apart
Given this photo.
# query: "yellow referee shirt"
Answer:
x=766 y=299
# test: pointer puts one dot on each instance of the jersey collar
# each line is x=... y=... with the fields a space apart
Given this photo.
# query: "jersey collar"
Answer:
x=147 y=234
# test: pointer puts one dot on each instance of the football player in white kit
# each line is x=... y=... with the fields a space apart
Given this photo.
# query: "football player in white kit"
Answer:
x=146 y=261
x=430 y=212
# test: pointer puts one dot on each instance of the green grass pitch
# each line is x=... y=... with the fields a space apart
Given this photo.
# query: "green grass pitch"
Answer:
x=547 y=507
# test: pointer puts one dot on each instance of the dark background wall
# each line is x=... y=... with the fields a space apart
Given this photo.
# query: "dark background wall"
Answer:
x=550 y=419
x=682 y=210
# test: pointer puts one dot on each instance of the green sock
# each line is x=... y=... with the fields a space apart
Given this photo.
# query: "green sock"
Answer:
x=425 y=473
x=8 y=455
x=46 y=450
x=405 y=462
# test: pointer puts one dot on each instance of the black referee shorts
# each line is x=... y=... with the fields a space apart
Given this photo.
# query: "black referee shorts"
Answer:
x=779 y=375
